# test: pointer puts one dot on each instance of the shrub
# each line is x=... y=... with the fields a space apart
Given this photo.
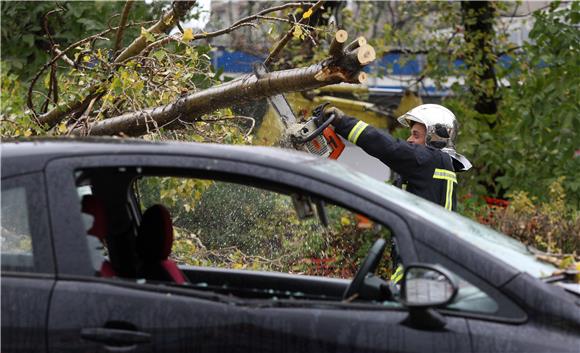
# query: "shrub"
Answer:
x=551 y=226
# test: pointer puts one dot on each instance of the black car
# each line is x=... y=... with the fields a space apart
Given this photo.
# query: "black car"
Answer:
x=89 y=258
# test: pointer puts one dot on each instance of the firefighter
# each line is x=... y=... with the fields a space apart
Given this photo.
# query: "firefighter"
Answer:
x=425 y=164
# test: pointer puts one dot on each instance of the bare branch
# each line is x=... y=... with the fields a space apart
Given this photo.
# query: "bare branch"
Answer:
x=124 y=16
x=167 y=21
x=282 y=43
x=267 y=11
x=65 y=58
x=238 y=24
x=285 y=20
x=53 y=85
x=197 y=36
x=84 y=118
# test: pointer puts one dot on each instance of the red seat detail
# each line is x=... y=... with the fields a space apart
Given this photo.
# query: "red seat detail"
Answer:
x=154 y=242
x=107 y=270
x=174 y=271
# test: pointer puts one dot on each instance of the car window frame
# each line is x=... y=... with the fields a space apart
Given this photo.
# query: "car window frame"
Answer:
x=61 y=171
x=40 y=230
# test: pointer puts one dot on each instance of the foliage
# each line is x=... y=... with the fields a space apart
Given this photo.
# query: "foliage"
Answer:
x=25 y=46
x=551 y=226
x=535 y=136
x=531 y=140
x=159 y=75
x=12 y=103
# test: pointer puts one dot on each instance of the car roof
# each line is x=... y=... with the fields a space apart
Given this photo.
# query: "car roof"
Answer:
x=31 y=155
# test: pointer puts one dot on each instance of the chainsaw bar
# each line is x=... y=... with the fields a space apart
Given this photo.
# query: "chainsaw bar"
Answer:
x=277 y=101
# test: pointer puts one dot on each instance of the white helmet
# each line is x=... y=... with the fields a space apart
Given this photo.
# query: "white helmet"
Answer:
x=441 y=130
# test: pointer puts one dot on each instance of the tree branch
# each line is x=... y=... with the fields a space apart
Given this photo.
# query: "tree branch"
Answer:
x=282 y=43
x=187 y=108
x=167 y=21
x=197 y=36
x=52 y=117
x=65 y=58
x=120 y=31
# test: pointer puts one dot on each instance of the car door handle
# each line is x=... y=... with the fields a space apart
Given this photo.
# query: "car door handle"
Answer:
x=115 y=337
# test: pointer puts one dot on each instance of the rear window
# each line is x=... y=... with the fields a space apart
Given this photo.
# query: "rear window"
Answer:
x=24 y=234
x=17 y=254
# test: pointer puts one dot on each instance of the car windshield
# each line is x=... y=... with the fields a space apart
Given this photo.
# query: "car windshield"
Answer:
x=496 y=244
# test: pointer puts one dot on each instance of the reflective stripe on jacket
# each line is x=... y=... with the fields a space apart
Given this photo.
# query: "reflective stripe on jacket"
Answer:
x=427 y=171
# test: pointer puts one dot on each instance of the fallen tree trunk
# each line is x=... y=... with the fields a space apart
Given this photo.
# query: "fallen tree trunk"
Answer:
x=339 y=68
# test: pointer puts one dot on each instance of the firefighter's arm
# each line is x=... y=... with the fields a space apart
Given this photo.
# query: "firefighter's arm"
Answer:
x=399 y=155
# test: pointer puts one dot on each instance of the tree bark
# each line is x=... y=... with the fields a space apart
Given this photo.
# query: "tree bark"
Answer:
x=478 y=20
x=190 y=108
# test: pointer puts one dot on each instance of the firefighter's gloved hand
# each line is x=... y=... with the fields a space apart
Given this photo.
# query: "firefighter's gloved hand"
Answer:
x=326 y=113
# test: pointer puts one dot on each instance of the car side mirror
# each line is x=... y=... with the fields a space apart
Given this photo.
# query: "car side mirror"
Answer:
x=426 y=286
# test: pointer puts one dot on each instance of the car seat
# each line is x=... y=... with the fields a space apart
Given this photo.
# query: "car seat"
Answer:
x=94 y=206
x=154 y=242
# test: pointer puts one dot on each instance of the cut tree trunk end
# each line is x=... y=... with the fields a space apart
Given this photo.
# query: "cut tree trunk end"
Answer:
x=366 y=54
x=337 y=44
x=359 y=42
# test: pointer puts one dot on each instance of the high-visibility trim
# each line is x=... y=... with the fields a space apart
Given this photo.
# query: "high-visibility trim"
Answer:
x=449 y=198
x=451 y=178
x=398 y=275
x=445 y=174
x=354 y=134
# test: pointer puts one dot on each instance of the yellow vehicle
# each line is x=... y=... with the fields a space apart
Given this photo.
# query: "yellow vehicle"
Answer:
x=270 y=129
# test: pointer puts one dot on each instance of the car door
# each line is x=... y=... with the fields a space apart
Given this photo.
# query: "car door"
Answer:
x=27 y=264
x=92 y=313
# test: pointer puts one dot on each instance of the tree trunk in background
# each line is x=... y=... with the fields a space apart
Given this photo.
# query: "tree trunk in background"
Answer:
x=478 y=20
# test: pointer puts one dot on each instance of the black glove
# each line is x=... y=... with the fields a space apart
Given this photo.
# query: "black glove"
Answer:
x=321 y=114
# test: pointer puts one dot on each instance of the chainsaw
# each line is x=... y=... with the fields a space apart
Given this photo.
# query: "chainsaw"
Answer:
x=306 y=136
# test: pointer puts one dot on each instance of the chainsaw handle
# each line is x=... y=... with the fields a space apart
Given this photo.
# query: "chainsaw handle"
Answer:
x=318 y=130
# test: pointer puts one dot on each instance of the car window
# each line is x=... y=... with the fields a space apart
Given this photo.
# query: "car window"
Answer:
x=472 y=299
x=237 y=226
x=17 y=252
x=500 y=246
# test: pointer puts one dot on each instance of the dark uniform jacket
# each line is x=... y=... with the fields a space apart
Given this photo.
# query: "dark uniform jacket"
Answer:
x=427 y=172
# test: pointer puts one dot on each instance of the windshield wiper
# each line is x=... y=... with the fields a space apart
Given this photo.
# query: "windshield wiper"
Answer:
x=561 y=276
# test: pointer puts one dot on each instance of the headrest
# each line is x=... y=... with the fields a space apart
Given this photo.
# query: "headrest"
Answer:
x=94 y=206
x=155 y=236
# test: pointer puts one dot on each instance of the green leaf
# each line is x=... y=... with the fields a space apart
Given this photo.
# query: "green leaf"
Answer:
x=147 y=35
x=28 y=39
x=159 y=54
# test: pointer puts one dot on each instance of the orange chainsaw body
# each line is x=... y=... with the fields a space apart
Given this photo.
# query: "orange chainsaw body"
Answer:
x=334 y=141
